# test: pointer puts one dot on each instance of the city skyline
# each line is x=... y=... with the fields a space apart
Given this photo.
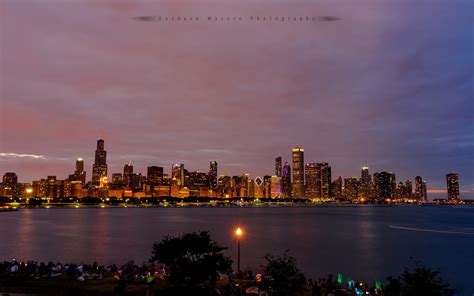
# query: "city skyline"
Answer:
x=388 y=86
x=305 y=179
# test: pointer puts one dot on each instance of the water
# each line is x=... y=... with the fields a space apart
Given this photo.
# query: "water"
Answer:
x=363 y=242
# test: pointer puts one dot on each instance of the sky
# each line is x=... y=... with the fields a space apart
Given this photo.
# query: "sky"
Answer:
x=388 y=84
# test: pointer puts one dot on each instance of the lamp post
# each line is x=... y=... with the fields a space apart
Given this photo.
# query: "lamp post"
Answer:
x=238 y=233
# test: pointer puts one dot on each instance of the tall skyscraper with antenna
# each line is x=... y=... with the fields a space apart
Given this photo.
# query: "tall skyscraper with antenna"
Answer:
x=99 y=168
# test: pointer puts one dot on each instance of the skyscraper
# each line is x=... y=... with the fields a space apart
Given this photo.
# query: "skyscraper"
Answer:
x=420 y=189
x=452 y=181
x=336 y=188
x=10 y=180
x=99 y=168
x=213 y=175
x=275 y=187
x=364 y=182
x=384 y=183
x=177 y=172
x=324 y=179
x=286 y=181
x=311 y=177
x=278 y=166
x=79 y=175
x=408 y=189
x=297 y=157
x=244 y=185
x=351 y=188
x=154 y=175
x=127 y=174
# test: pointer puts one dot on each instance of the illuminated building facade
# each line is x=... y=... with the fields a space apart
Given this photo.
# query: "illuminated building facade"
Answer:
x=336 y=188
x=452 y=182
x=275 y=191
x=420 y=189
x=286 y=181
x=10 y=181
x=364 y=182
x=79 y=175
x=311 y=177
x=351 y=188
x=384 y=183
x=127 y=174
x=212 y=175
x=297 y=156
x=324 y=179
x=154 y=175
x=177 y=172
x=259 y=187
x=99 y=168
x=278 y=166
x=408 y=189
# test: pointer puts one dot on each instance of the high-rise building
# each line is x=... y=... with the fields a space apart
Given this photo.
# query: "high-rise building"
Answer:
x=452 y=181
x=384 y=183
x=117 y=181
x=278 y=166
x=311 y=177
x=351 y=188
x=420 y=189
x=297 y=156
x=154 y=175
x=10 y=181
x=286 y=181
x=275 y=182
x=244 y=185
x=212 y=175
x=336 y=188
x=127 y=174
x=259 y=187
x=324 y=179
x=52 y=187
x=364 y=182
x=79 y=174
x=400 y=190
x=267 y=183
x=408 y=189
x=177 y=172
x=136 y=182
x=99 y=168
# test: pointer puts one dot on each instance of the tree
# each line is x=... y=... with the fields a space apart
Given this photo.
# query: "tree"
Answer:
x=193 y=258
x=286 y=278
x=419 y=282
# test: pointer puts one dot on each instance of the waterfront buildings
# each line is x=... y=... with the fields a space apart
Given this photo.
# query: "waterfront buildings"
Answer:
x=286 y=181
x=297 y=157
x=278 y=166
x=323 y=171
x=384 y=183
x=213 y=175
x=452 y=181
x=99 y=168
x=310 y=180
x=420 y=189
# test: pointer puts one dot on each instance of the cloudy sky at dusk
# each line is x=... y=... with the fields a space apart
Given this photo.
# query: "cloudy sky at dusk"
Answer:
x=384 y=83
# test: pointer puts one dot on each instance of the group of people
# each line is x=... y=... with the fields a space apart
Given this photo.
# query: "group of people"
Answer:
x=33 y=269
x=336 y=287
x=150 y=272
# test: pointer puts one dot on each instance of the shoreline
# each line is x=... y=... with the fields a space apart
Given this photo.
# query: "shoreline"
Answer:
x=17 y=207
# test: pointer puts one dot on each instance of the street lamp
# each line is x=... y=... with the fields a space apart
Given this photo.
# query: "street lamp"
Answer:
x=238 y=233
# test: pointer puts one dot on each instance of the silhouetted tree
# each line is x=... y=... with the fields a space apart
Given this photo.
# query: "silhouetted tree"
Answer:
x=286 y=278
x=419 y=282
x=193 y=258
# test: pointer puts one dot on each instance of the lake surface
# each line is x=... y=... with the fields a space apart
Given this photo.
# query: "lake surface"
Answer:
x=363 y=242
